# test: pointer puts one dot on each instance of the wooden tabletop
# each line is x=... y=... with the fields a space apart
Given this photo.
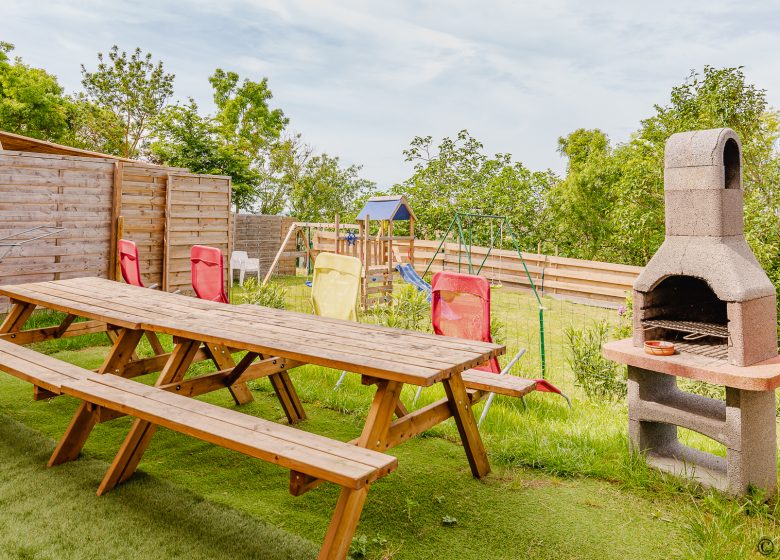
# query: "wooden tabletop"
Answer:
x=393 y=354
x=763 y=376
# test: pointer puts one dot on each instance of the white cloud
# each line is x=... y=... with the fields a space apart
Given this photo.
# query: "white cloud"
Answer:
x=360 y=79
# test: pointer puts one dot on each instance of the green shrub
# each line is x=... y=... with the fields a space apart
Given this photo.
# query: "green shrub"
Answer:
x=409 y=310
x=601 y=379
x=266 y=295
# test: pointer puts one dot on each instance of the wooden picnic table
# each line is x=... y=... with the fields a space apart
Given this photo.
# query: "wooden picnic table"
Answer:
x=275 y=341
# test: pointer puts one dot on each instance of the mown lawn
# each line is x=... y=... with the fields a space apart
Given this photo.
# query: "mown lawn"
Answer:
x=563 y=484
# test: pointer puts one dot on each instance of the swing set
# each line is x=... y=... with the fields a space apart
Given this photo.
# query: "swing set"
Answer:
x=462 y=226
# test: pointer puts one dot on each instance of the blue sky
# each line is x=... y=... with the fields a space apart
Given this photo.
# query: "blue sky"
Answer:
x=361 y=79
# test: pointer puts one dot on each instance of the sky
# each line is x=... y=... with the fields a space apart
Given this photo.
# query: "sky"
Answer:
x=361 y=79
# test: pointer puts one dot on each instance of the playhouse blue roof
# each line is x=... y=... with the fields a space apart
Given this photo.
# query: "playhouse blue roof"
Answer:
x=386 y=208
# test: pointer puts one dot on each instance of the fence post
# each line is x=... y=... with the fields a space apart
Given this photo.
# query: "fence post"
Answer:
x=116 y=210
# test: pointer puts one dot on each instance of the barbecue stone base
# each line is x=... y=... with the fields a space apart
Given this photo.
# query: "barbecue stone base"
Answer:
x=745 y=424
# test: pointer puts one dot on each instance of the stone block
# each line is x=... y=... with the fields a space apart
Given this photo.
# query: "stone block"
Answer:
x=752 y=330
x=698 y=147
x=747 y=420
x=640 y=314
x=705 y=213
x=753 y=459
x=701 y=177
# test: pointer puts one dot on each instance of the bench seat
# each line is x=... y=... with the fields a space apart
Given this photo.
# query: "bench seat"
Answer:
x=349 y=466
x=490 y=382
x=344 y=464
x=39 y=369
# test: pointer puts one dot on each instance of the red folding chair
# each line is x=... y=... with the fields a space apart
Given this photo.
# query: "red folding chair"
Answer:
x=208 y=276
x=128 y=264
x=460 y=307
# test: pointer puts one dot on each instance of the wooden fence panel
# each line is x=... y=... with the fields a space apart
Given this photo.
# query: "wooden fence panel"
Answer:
x=260 y=235
x=595 y=282
x=197 y=213
x=74 y=193
x=144 y=190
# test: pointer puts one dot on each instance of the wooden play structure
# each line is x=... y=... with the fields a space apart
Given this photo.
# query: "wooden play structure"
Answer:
x=371 y=239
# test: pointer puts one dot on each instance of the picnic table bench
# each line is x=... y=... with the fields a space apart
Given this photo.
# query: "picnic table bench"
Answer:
x=274 y=341
x=351 y=467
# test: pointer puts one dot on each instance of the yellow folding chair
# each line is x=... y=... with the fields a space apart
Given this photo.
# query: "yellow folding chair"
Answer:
x=336 y=286
x=335 y=289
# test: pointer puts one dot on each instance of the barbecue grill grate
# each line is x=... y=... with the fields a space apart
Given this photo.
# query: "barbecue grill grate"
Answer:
x=716 y=351
x=695 y=329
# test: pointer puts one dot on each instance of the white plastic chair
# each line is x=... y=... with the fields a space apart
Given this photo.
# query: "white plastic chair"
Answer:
x=239 y=260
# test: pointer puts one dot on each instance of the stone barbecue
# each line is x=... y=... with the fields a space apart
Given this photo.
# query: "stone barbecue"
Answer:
x=705 y=292
x=704 y=289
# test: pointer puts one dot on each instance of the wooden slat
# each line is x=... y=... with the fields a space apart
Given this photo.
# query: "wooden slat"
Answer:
x=508 y=385
x=38 y=369
x=408 y=357
x=341 y=463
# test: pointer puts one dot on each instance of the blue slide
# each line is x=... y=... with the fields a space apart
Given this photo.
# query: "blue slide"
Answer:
x=410 y=276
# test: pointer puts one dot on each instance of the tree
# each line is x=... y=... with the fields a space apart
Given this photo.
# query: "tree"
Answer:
x=317 y=186
x=248 y=129
x=270 y=174
x=612 y=198
x=32 y=102
x=456 y=175
x=132 y=87
x=92 y=127
x=580 y=203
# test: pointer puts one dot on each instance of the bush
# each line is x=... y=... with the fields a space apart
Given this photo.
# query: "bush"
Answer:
x=266 y=295
x=409 y=310
x=601 y=379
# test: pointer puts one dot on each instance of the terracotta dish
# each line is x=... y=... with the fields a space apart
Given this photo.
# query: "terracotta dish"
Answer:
x=659 y=348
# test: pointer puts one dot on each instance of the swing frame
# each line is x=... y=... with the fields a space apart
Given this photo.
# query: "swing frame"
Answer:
x=456 y=227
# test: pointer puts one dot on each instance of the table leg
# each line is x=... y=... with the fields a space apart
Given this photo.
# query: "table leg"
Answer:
x=375 y=435
x=460 y=405
x=343 y=524
x=72 y=442
x=17 y=317
x=223 y=360
x=140 y=435
x=155 y=343
x=122 y=352
x=113 y=336
x=288 y=397
x=380 y=416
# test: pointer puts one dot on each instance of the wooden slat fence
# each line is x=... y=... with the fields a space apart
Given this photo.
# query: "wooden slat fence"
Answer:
x=593 y=282
x=98 y=200
x=61 y=191
x=260 y=235
x=197 y=213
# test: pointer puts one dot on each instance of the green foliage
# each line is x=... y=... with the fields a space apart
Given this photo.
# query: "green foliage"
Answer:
x=449 y=521
x=319 y=187
x=93 y=127
x=271 y=174
x=184 y=138
x=266 y=295
x=32 y=102
x=247 y=129
x=132 y=87
x=601 y=379
x=409 y=310
x=457 y=175
x=610 y=205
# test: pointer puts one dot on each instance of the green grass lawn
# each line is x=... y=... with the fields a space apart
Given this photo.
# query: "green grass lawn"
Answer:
x=563 y=483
